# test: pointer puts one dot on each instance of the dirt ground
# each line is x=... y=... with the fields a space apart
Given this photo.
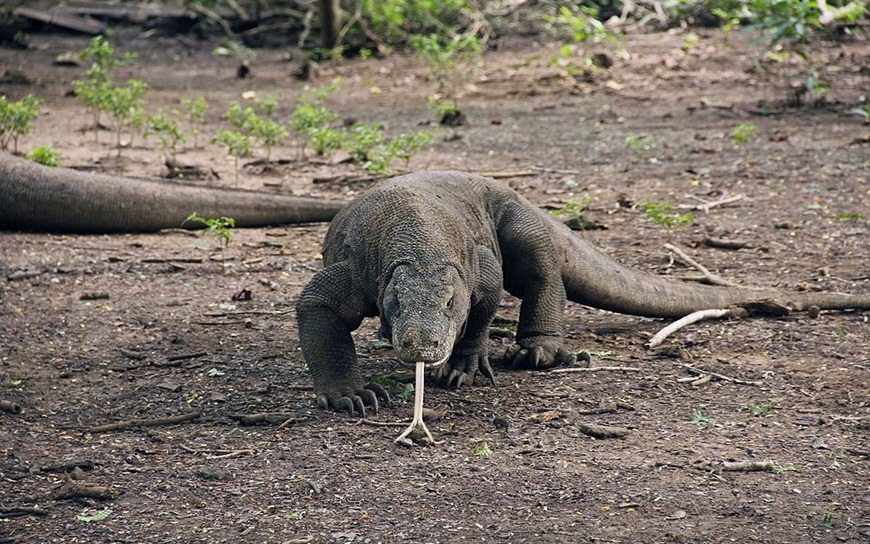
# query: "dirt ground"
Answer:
x=102 y=329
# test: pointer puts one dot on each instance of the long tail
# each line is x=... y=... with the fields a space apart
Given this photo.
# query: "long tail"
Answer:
x=36 y=197
x=594 y=279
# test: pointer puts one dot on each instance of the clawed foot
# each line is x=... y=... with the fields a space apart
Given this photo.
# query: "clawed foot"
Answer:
x=539 y=352
x=356 y=401
x=463 y=366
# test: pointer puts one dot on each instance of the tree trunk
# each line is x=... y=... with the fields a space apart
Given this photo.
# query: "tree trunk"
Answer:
x=330 y=22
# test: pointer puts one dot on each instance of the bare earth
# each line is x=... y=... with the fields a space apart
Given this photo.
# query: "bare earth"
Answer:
x=95 y=329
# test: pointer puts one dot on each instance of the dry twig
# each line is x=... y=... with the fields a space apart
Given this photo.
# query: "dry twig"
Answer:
x=131 y=424
x=596 y=369
x=717 y=375
x=711 y=277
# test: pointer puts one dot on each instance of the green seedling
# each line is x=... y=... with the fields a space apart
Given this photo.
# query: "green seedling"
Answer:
x=863 y=112
x=482 y=450
x=95 y=88
x=407 y=392
x=238 y=145
x=404 y=145
x=44 y=155
x=743 y=134
x=101 y=515
x=167 y=131
x=574 y=208
x=451 y=63
x=16 y=119
x=759 y=410
x=854 y=216
x=638 y=146
x=220 y=227
x=701 y=419
x=661 y=213
x=124 y=107
x=194 y=109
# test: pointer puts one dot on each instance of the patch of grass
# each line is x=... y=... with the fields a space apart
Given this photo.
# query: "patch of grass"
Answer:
x=638 y=146
x=662 y=213
x=44 y=155
x=743 y=134
x=854 y=216
x=482 y=450
x=759 y=410
x=701 y=419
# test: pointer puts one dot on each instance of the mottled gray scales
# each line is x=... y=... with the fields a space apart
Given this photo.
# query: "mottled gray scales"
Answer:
x=429 y=254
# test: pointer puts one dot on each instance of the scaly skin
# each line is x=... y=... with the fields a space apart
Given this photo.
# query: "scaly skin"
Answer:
x=35 y=197
x=429 y=253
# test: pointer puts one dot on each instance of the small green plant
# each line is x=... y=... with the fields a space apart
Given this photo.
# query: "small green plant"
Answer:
x=854 y=216
x=451 y=61
x=662 y=213
x=238 y=145
x=219 y=227
x=167 y=131
x=407 y=391
x=482 y=450
x=193 y=110
x=100 y=515
x=574 y=208
x=863 y=112
x=16 y=119
x=743 y=134
x=44 y=155
x=125 y=107
x=312 y=120
x=638 y=146
x=95 y=88
x=759 y=410
x=404 y=145
x=701 y=419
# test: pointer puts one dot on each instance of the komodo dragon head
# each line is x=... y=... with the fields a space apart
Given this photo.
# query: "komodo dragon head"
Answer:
x=425 y=308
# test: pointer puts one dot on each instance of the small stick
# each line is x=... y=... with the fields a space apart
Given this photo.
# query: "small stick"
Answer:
x=700 y=372
x=693 y=317
x=417 y=422
x=186 y=356
x=726 y=244
x=72 y=489
x=707 y=206
x=597 y=369
x=711 y=277
x=123 y=425
x=748 y=466
x=20 y=511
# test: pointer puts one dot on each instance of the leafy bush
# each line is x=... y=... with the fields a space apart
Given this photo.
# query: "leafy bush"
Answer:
x=16 y=119
x=44 y=155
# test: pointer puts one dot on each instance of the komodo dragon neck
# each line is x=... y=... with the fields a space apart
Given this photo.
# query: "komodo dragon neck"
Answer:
x=40 y=198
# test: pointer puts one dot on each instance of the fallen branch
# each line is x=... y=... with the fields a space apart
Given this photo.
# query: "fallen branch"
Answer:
x=707 y=206
x=271 y=418
x=596 y=369
x=722 y=243
x=74 y=489
x=723 y=377
x=21 y=511
x=694 y=317
x=156 y=422
x=602 y=431
x=711 y=277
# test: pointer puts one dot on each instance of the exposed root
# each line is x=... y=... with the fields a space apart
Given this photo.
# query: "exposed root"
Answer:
x=694 y=317
x=123 y=425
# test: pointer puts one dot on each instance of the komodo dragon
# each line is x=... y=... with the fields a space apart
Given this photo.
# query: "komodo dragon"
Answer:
x=429 y=254
x=40 y=198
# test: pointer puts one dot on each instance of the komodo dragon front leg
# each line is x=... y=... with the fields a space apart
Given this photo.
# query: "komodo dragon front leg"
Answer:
x=471 y=353
x=329 y=308
x=532 y=272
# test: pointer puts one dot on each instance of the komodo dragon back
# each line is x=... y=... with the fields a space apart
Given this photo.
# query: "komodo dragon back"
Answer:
x=40 y=198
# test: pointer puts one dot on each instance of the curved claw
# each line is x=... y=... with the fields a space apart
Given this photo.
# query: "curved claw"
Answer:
x=368 y=397
x=457 y=375
x=345 y=403
x=539 y=357
x=379 y=392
